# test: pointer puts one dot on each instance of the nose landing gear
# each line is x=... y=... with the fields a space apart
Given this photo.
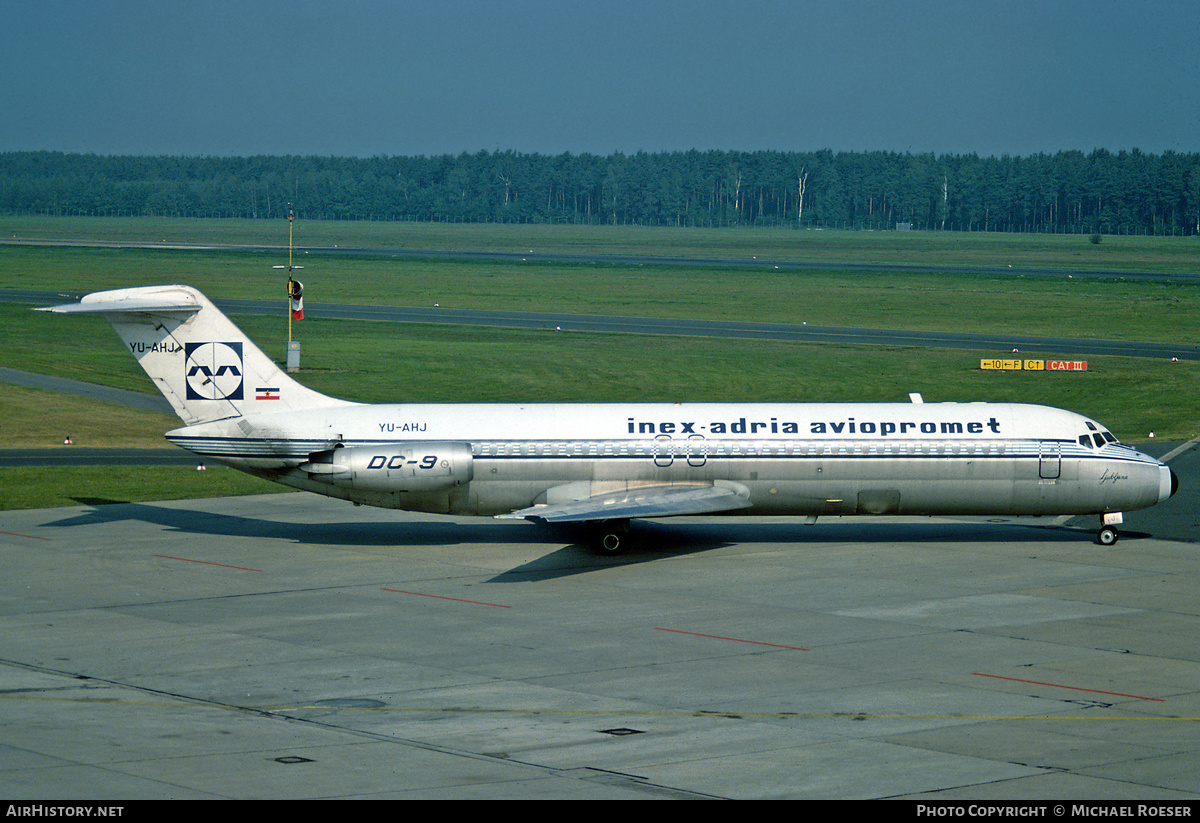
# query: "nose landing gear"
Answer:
x=1108 y=533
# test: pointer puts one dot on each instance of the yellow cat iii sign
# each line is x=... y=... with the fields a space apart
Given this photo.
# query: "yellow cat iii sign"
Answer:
x=1034 y=365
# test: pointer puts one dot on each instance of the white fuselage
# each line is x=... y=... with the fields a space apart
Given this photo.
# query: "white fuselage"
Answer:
x=803 y=459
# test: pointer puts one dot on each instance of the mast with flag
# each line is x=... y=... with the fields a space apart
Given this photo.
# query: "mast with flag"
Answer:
x=295 y=293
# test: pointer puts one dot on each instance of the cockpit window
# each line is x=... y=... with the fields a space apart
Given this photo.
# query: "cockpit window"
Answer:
x=1101 y=437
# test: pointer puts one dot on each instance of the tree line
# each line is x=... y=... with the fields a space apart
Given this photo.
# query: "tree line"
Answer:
x=1128 y=192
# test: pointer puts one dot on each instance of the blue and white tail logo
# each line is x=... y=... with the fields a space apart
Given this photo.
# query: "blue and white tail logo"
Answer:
x=213 y=371
x=220 y=363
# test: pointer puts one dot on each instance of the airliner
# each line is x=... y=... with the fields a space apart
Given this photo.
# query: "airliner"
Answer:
x=607 y=463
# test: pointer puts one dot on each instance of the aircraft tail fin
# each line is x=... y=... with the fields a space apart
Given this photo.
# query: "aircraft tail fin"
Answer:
x=205 y=366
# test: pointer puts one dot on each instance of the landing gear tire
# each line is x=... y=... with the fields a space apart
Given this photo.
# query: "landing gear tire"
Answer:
x=609 y=535
x=1107 y=536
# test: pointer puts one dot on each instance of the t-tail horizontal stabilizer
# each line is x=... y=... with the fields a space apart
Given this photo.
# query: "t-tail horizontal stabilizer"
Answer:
x=205 y=366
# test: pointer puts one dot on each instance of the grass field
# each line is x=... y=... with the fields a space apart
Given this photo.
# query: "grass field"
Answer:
x=38 y=488
x=385 y=362
x=1068 y=251
x=1061 y=306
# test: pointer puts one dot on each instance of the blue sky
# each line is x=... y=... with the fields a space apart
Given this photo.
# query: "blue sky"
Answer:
x=424 y=78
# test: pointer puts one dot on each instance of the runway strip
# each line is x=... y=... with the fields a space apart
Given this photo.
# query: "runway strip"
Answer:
x=618 y=259
x=1001 y=344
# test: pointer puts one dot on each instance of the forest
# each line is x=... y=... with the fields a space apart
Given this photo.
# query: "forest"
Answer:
x=1127 y=192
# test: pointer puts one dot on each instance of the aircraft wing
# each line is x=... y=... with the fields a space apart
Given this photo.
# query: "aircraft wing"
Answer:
x=650 y=501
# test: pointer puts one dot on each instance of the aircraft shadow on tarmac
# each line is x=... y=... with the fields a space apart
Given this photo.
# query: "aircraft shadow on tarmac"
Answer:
x=657 y=540
x=347 y=533
x=648 y=540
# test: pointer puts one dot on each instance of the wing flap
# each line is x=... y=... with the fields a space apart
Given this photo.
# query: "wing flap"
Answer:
x=652 y=501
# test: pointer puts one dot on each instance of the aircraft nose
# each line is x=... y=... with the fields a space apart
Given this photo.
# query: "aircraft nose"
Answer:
x=1168 y=483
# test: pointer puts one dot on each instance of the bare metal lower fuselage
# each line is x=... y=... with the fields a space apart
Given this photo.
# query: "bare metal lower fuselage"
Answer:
x=972 y=472
x=816 y=484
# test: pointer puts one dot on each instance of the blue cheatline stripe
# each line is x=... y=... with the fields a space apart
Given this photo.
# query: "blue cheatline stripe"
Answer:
x=527 y=450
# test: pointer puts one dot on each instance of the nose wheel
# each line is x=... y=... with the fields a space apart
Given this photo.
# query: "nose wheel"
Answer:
x=1108 y=533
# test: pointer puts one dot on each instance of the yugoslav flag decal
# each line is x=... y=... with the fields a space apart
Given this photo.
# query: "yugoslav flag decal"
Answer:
x=266 y=394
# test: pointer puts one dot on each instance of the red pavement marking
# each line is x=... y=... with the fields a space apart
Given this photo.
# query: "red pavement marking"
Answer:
x=455 y=599
x=734 y=639
x=206 y=563
x=1073 y=688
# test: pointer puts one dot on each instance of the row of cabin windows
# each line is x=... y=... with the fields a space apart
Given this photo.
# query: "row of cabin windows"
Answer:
x=696 y=448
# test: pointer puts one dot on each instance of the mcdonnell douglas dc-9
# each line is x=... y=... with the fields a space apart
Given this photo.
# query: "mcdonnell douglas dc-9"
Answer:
x=604 y=464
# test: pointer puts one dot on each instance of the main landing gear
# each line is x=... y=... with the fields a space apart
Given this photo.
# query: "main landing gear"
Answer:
x=607 y=536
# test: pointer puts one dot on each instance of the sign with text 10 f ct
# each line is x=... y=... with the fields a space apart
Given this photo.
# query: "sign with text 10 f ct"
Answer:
x=1034 y=365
